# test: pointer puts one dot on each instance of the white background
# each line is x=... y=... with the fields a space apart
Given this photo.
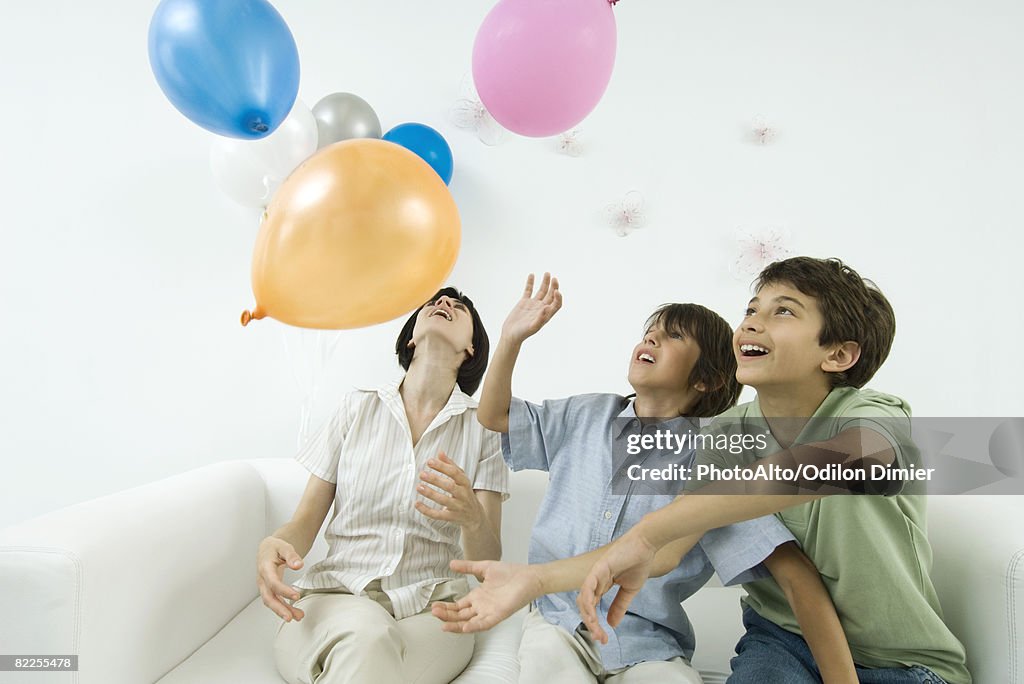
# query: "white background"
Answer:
x=123 y=269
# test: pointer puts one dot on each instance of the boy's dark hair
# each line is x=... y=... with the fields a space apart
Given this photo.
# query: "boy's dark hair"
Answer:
x=854 y=310
x=716 y=366
x=471 y=372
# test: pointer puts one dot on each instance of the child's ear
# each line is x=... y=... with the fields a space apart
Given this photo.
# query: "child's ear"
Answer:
x=841 y=358
x=411 y=344
x=711 y=385
x=469 y=350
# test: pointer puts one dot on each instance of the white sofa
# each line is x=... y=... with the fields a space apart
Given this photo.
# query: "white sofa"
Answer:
x=157 y=583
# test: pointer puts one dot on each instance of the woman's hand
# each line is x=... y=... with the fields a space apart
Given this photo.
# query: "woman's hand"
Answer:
x=504 y=589
x=459 y=503
x=532 y=311
x=271 y=558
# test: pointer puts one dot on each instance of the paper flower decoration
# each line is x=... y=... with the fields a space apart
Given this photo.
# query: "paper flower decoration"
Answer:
x=627 y=215
x=756 y=249
x=469 y=112
x=569 y=143
x=761 y=132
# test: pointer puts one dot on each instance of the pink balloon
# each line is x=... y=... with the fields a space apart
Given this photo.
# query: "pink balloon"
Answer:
x=540 y=66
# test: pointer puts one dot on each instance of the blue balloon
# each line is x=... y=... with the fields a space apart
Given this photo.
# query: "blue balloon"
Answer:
x=230 y=66
x=427 y=143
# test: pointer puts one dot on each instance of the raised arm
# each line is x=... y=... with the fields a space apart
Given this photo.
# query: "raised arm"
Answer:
x=815 y=613
x=527 y=317
x=289 y=544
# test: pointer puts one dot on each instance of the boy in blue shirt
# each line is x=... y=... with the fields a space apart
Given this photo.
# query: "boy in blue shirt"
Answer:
x=682 y=369
x=813 y=335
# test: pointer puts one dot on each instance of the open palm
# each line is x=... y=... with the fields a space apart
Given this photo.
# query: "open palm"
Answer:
x=504 y=589
x=534 y=310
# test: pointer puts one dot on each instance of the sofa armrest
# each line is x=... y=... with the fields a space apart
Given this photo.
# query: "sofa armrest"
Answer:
x=285 y=480
x=133 y=582
x=978 y=571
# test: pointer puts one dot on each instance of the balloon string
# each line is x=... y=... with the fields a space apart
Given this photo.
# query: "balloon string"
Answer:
x=329 y=350
x=305 y=407
x=291 y=360
x=303 y=424
x=315 y=348
x=265 y=197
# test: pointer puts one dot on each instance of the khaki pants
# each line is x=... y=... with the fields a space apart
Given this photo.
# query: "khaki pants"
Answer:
x=346 y=639
x=550 y=654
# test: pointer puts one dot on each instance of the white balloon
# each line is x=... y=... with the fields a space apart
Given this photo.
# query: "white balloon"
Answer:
x=249 y=171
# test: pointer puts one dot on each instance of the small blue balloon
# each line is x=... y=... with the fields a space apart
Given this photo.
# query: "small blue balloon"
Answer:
x=427 y=143
x=230 y=66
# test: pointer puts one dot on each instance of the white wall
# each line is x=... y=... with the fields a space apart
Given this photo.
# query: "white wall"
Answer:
x=123 y=270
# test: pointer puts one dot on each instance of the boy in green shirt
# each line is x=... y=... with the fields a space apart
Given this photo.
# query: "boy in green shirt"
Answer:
x=813 y=335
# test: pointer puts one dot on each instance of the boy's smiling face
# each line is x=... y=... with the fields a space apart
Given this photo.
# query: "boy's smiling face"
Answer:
x=777 y=342
x=663 y=360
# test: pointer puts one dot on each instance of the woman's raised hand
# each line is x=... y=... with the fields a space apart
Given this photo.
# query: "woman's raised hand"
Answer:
x=532 y=311
x=271 y=558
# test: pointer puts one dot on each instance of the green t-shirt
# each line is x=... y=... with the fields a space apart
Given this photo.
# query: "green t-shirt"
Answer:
x=872 y=551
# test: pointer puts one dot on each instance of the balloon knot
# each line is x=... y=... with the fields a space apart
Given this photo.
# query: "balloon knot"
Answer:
x=246 y=317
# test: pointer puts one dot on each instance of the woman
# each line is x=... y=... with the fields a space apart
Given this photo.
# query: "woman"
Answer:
x=363 y=613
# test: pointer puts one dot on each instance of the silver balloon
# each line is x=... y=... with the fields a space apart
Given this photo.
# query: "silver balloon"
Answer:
x=341 y=116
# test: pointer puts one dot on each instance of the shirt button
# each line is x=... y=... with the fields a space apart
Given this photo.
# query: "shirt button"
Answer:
x=607 y=515
x=398 y=533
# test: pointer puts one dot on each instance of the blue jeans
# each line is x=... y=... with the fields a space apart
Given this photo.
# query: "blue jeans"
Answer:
x=768 y=654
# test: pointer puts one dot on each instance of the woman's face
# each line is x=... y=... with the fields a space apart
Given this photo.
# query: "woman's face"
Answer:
x=448 y=318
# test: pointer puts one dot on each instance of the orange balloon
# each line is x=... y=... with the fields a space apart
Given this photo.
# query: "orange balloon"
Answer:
x=361 y=233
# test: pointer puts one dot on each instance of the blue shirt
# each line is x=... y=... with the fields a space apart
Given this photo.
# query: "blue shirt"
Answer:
x=572 y=440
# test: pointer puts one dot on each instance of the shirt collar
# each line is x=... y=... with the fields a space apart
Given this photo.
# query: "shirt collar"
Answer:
x=458 y=402
x=678 y=424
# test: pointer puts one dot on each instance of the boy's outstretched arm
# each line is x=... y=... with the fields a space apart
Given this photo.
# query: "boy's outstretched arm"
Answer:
x=507 y=587
x=814 y=611
x=717 y=505
x=527 y=317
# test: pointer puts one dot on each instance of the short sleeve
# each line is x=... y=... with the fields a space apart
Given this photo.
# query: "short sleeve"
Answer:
x=321 y=453
x=737 y=551
x=535 y=432
x=491 y=471
x=707 y=455
x=885 y=414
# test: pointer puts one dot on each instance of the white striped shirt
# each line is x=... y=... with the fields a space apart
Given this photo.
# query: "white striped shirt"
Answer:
x=366 y=449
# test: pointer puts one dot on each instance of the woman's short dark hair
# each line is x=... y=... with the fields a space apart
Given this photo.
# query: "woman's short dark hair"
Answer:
x=716 y=366
x=471 y=372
